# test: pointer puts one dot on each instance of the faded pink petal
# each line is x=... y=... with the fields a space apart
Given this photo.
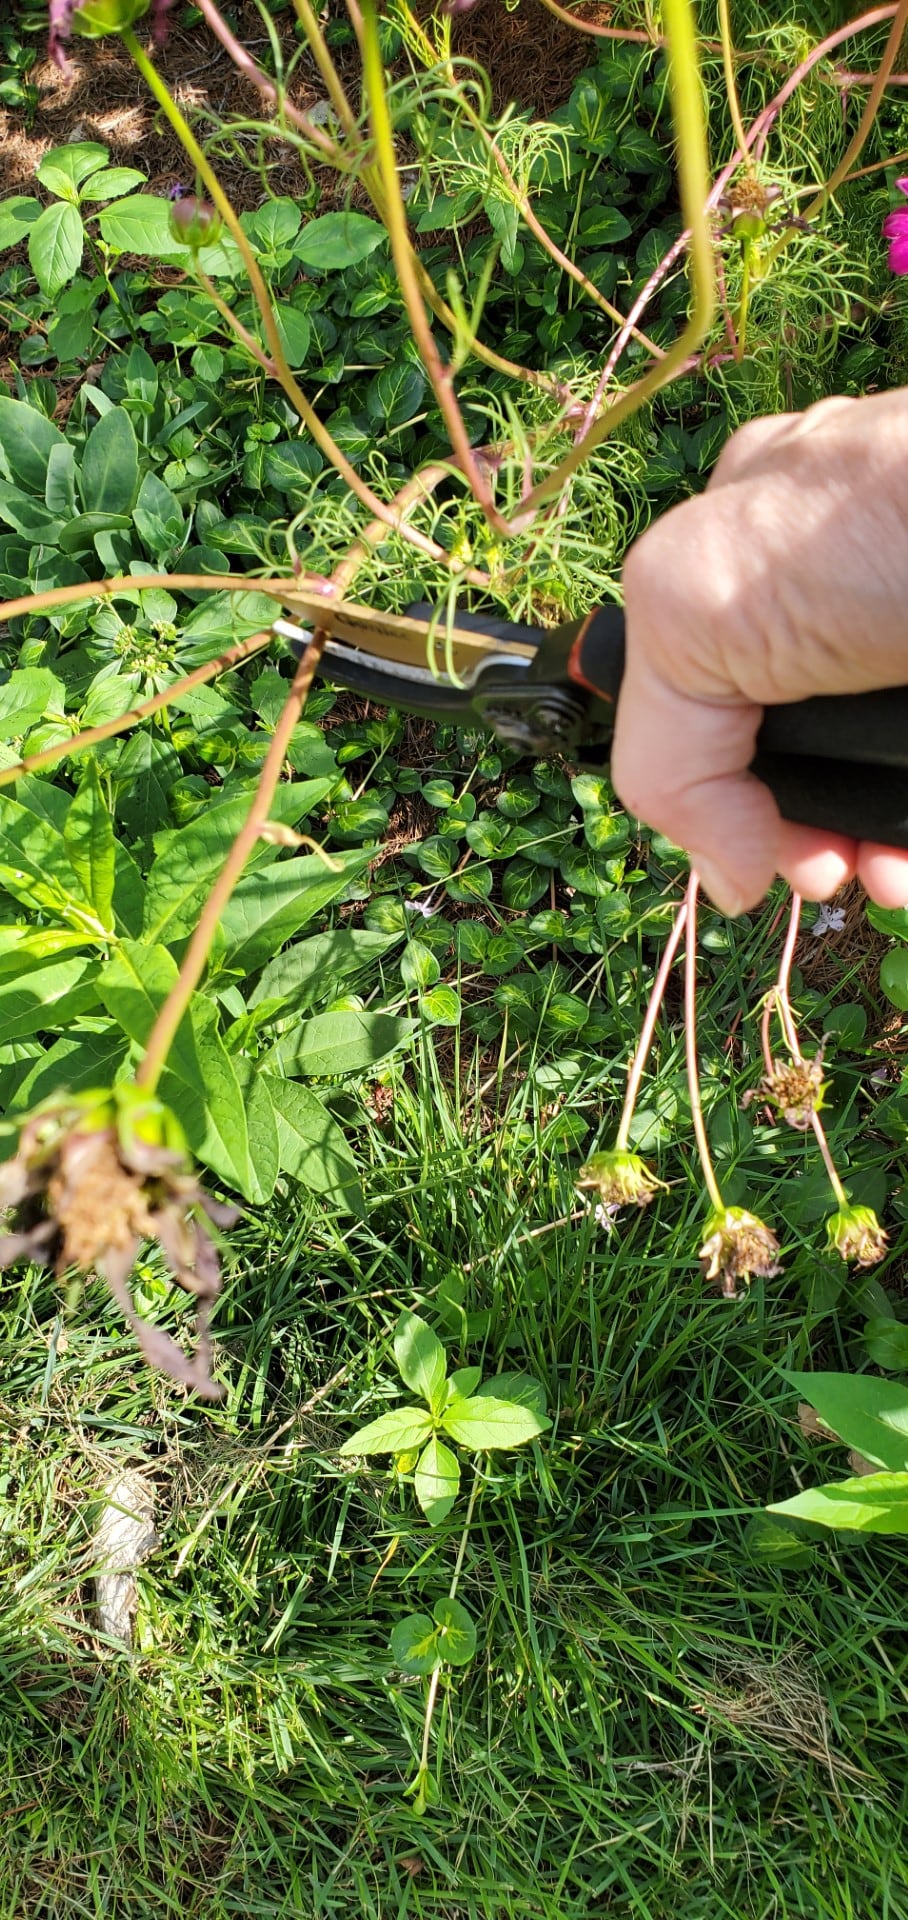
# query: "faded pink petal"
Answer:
x=895 y=230
x=903 y=184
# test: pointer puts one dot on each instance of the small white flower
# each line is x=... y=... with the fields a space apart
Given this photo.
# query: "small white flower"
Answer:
x=829 y=920
x=604 y=1216
x=424 y=907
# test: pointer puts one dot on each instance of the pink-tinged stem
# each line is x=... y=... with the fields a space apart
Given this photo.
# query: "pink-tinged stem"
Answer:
x=645 y=1041
x=690 y=1046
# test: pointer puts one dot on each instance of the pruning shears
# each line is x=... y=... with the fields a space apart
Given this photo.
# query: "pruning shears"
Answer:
x=838 y=762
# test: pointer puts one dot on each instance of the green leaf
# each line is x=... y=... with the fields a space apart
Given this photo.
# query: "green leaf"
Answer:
x=436 y=1481
x=34 y=864
x=146 y=770
x=395 y=1432
x=317 y=968
x=418 y=965
x=111 y=183
x=441 y=1006
x=261 y=1125
x=602 y=227
x=311 y=1145
x=271 y=905
x=420 y=1359
x=17 y=215
x=63 y=169
x=26 y=439
x=414 y=1645
x=456 y=1631
x=296 y=335
x=193 y=855
x=60 y=486
x=348 y=1042
x=89 y=839
x=110 y=465
x=42 y=998
x=520 y=1389
x=886 y=1343
x=24 y=699
x=872 y=1503
x=91 y=1060
x=396 y=393
x=864 y=1413
x=894 y=977
x=463 y=1382
x=482 y=1422
x=55 y=246
x=336 y=240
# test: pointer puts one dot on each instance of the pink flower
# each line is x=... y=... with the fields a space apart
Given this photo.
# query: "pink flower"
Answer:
x=895 y=230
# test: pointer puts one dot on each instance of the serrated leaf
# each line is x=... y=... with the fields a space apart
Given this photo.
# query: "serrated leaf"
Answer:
x=483 y=1423
x=55 y=245
x=436 y=1481
x=872 y=1503
x=394 y=1432
x=420 y=1358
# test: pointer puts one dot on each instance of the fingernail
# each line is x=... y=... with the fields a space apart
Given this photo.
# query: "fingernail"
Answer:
x=721 y=889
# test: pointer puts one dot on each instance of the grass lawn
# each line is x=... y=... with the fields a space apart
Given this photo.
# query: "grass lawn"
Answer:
x=675 y=1709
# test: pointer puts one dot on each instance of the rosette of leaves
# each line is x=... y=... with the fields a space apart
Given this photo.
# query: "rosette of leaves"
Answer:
x=481 y=1416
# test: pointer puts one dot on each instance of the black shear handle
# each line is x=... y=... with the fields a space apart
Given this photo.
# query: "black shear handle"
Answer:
x=838 y=762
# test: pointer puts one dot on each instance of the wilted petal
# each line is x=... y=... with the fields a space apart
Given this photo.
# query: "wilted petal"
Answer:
x=160 y=10
x=59 y=24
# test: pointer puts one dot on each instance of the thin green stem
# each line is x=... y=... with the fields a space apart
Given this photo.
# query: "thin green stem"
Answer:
x=731 y=85
x=787 y=1021
x=648 y=1028
x=432 y=1694
x=690 y=1047
x=744 y=300
x=440 y=376
x=694 y=183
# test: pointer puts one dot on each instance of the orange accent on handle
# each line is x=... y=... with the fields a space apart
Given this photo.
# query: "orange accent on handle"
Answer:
x=575 y=672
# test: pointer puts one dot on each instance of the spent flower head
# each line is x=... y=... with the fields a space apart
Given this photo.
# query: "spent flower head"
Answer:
x=855 y=1233
x=92 y=19
x=97 y=1173
x=618 y=1179
x=736 y=1246
x=796 y=1088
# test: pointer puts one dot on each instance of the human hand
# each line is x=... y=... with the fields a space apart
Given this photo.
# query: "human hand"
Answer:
x=788 y=577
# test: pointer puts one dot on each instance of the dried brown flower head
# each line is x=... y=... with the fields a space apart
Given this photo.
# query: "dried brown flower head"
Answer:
x=737 y=1245
x=855 y=1233
x=96 y=1174
x=619 y=1179
x=796 y=1088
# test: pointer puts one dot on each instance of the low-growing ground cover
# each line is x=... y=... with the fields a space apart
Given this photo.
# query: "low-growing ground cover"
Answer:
x=653 y=1697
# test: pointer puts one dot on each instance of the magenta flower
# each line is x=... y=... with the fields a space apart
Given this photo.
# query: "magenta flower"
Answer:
x=895 y=230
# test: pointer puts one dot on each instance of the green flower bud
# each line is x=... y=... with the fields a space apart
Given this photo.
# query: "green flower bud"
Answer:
x=194 y=223
x=619 y=1179
x=94 y=18
x=737 y=1245
x=855 y=1233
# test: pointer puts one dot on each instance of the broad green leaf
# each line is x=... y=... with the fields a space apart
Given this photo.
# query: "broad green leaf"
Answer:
x=80 y=534
x=200 y=1082
x=26 y=439
x=60 y=486
x=335 y=240
x=865 y=1413
x=272 y=904
x=274 y=225
x=21 y=946
x=463 y=1382
x=55 y=246
x=64 y=168
x=419 y=966
x=17 y=215
x=885 y=1342
x=74 y=1063
x=394 y=1432
x=436 y=1481
x=295 y=330
x=414 y=1645
x=140 y=224
x=396 y=393
x=110 y=465
x=47 y=996
x=34 y=864
x=193 y=855
x=894 y=977
x=25 y=697
x=602 y=227
x=456 y=1631
x=89 y=839
x=146 y=770
x=482 y=1422
x=348 y=1042
x=317 y=968
x=261 y=1123
x=311 y=1145
x=520 y=1389
x=872 y=1503
x=420 y=1359
x=441 y=1006
x=111 y=183
x=28 y=517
